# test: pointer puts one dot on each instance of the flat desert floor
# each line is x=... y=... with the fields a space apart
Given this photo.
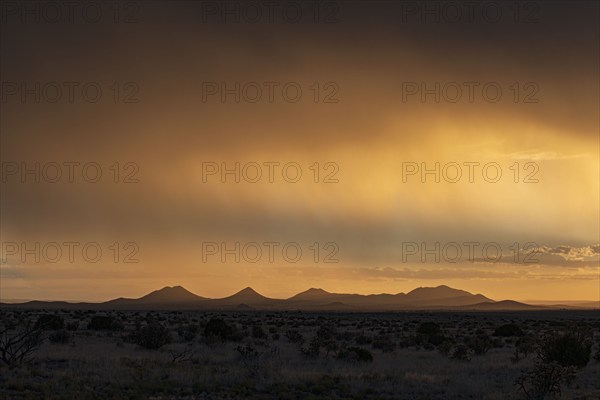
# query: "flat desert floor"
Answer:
x=300 y=355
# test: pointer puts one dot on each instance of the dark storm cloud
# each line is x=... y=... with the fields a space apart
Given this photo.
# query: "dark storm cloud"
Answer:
x=368 y=51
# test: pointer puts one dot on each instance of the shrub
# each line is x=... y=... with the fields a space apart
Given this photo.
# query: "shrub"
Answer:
x=250 y=359
x=313 y=350
x=525 y=345
x=544 y=380
x=436 y=339
x=571 y=349
x=153 y=336
x=461 y=352
x=558 y=358
x=248 y=354
x=217 y=328
x=187 y=332
x=326 y=337
x=105 y=323
x=50 y=322
x=363 y=339
x=429 y=328
x=508 y=330
x=16 y=348
x=258 y=332
x=480 y=344
x=294 y=336
x=445 y=347
x=428 y=335
x=60 y=336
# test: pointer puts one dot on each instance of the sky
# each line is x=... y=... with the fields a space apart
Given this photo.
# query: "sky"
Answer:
x=358 y=147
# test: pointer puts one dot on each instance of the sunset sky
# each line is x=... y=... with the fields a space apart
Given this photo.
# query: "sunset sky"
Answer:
x=364 y=131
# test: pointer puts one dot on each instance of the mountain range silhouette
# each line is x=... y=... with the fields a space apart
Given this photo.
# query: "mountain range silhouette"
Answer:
x=313 y=299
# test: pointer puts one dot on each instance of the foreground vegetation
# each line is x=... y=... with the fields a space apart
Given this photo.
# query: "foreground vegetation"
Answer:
x=296 y=355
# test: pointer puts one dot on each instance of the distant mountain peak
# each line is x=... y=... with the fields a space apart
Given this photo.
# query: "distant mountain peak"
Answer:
x=248 y=290
x=316 y=291
x=443 y=296
x=312 y=294
x=247 y=293
x=170 y=294
x=439 y=289
x=170 y=288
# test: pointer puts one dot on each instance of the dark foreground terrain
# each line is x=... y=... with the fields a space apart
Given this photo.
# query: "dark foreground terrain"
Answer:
x=80 y=354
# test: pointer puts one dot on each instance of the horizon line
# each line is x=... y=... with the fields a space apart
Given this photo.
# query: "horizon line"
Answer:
x=74 y=301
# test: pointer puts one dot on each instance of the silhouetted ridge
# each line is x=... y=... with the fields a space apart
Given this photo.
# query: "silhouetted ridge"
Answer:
x=246 y=296
x=170 y=294
x=422 y=298
x=312 y=294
